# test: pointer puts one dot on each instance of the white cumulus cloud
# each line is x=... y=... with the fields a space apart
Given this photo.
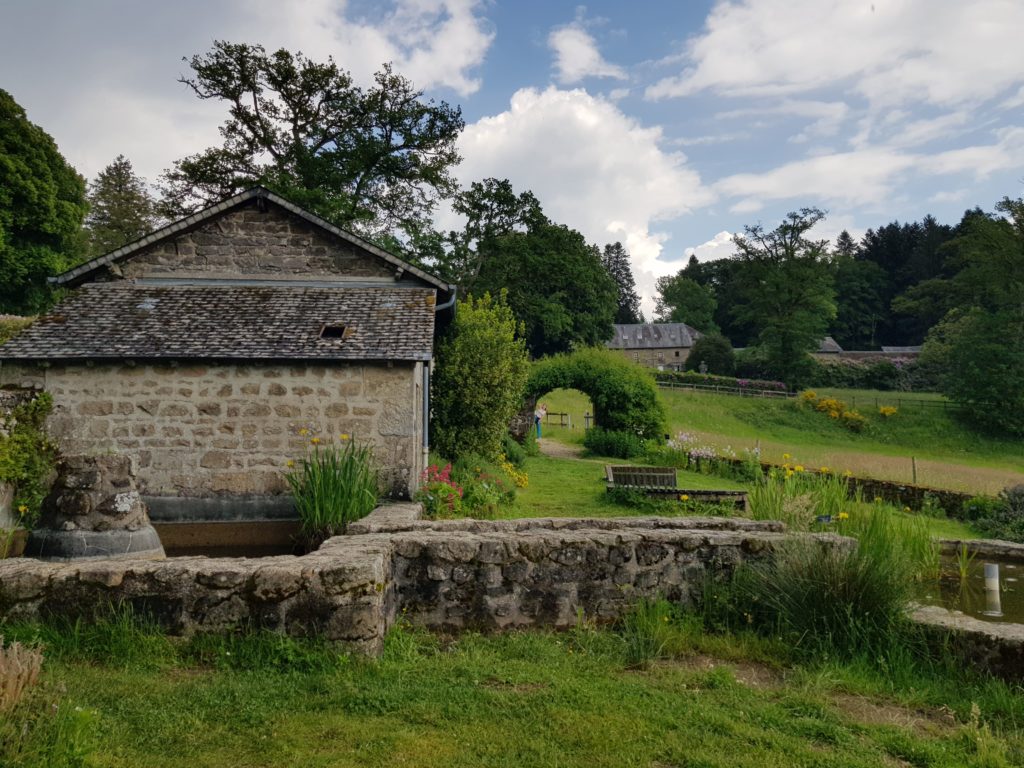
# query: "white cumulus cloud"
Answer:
x=577 y=56
x=592 y=167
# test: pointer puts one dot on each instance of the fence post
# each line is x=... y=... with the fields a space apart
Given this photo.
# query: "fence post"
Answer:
x=913 y=467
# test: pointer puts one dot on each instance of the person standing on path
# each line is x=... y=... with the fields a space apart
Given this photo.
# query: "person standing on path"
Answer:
x=538 y=416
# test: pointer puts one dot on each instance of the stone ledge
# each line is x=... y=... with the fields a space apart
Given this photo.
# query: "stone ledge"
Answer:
x=450 y=575
x=984 y=548
x=996 y=648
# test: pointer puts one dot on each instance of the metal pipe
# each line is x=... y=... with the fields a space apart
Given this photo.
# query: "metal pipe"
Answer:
x=993 y=604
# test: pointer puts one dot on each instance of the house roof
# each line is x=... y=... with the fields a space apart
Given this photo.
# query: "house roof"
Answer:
x=83 y=272
x=126 y=320
x=829 y=346
x=653 y=336
x=902 y=350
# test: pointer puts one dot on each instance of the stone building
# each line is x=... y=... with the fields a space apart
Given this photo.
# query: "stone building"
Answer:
x=214 y=350
x=655 y=345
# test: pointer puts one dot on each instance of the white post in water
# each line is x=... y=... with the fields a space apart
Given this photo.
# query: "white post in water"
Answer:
x=993 y=605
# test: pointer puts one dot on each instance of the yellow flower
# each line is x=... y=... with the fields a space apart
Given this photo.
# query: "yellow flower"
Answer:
x=843 y=516
x=789 y=473
x=315 y=441
x=289 y=463
x=906 y=509
x=343 y=436
x=684 y=497
x=799 y=467
x=22 y=509
x=878 y=499
x=823 y=470
x=786 y=456
x=303 y=431
x=847 y=473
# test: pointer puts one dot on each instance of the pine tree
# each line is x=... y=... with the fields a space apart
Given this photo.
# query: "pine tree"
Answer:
x=616 y=262
x=120 y=208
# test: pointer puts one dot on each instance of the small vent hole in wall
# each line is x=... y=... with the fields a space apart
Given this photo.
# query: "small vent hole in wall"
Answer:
x=332 y=332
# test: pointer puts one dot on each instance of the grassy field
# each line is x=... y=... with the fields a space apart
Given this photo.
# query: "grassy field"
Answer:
x=519 y=699
x=948 y=453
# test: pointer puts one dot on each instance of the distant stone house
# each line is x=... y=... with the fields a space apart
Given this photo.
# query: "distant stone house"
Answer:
x=655 y=345
x=215 y=349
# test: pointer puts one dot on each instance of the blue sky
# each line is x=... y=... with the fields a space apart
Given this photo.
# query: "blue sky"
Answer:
x=666 y=125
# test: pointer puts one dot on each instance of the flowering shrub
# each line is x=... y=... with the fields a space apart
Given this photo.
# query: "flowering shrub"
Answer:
x=835 y=409
x=518 y=476
x=693 y=377
x=887 y=411
x=438 y=493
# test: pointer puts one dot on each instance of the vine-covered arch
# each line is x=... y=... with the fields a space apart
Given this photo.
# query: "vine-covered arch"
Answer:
x=623 y=394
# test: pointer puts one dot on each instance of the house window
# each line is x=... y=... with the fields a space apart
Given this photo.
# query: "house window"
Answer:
x=661 y=357
x=636 y=356
x=332 y=332
x=677 y=353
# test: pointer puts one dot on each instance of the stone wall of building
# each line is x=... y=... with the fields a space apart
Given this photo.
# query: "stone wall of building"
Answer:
x=199 y=430
x=451 y=576
x=249 y=242
x=671 y=358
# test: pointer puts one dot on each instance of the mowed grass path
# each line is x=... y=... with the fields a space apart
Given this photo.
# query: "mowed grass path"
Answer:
x=949 y=454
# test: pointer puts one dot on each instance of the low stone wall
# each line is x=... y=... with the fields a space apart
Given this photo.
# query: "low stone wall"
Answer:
x=440 y=575
x=983 y=645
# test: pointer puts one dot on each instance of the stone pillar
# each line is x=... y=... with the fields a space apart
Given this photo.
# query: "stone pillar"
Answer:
x=94 y=511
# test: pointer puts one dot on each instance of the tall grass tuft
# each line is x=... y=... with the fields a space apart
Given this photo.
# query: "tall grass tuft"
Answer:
x=332 y=487
x=19 y=671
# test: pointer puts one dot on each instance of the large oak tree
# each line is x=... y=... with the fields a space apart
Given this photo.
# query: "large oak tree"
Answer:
x=373 y=159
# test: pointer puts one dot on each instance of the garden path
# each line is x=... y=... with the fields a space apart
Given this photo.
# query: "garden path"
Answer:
x=550 y=447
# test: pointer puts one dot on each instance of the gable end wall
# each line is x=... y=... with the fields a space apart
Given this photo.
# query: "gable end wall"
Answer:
x=262 y=244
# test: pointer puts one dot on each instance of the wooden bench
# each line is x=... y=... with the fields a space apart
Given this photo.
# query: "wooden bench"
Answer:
x=660 y=482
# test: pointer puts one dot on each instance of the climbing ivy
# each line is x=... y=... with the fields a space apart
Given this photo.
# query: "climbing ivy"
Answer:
x=27 y=456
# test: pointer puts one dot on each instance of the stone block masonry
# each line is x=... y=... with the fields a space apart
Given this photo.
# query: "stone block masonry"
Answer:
x=202 y=431
x=450 y=576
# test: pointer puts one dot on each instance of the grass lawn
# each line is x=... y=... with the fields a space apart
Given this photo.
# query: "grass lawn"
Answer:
x=949 y=454
x=518 y=699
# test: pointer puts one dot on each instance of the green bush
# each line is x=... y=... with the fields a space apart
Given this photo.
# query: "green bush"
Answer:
x=614 y=443
x=27 y=457
x=332 y=487
x=1002 y=517
x=482 y=367
x=710 y=380
x=982 y=507
x=715 y=351
x=10 y=325
x=515 y=452
x=623 y=394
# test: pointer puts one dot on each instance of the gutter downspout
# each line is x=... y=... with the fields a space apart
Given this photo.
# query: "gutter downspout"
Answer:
x=427 y=370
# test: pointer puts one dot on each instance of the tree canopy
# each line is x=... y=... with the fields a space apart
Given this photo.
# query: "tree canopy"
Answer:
x=121 y=209
x=42 y=204
x=786 y=291
x=375 y=159
x=682 y=299
x=616 y=261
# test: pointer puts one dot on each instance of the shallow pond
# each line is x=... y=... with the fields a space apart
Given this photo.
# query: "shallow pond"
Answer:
x=969 y=596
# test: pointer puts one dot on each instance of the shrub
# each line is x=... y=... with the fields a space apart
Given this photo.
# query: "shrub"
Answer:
x=482 y=367
x=615 y=443
x=835 y=409
x=623 y=394
x=514 y=453
x=439 y=494
x=11 y=325
x=1001 y=518
x=715 y=351
x=707 y=379
x=982 y=507
x=27 y=457
x=332 y=487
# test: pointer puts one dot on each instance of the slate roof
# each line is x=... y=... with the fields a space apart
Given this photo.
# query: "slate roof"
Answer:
x=653 y=336
x=829 y=346
x=125 y=320
x=902 y=350
x=83 y=272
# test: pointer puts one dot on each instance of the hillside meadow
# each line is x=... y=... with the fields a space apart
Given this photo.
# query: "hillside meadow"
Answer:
x=948 y=452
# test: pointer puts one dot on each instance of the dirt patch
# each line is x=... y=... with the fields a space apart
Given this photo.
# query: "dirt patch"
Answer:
x=748 y=673
x=549 y=447
x=871 y=711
